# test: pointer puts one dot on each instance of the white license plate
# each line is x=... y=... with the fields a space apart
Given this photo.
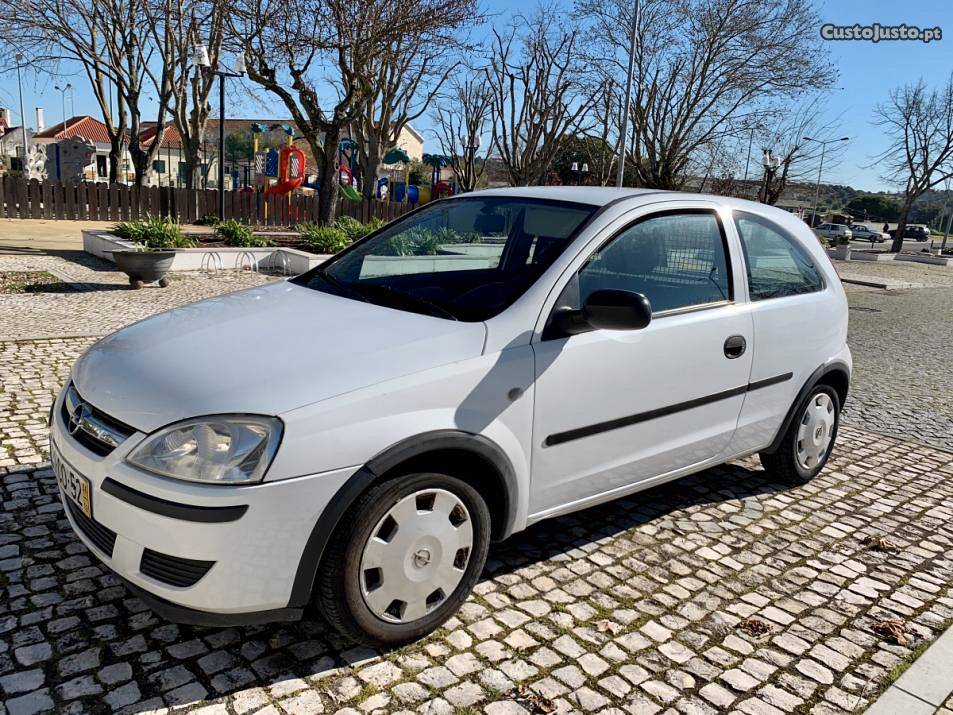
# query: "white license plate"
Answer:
x=74 y=486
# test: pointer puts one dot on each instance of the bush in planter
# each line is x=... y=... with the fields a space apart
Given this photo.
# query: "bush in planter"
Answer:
x=237 y=234
x=356 y=230
x=153 y=234
x=207 y=220
x=324 y=239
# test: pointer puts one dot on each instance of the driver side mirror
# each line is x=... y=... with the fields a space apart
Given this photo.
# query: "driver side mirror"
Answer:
x=603 y=310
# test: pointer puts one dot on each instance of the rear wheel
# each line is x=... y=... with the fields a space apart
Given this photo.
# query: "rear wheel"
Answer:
x=809 y=440
x=404 y=559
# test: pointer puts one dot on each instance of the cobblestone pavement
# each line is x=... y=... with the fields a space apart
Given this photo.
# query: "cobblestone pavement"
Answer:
x=902 y=342
x=650 y=604
x=102 y=301
x=642 y=604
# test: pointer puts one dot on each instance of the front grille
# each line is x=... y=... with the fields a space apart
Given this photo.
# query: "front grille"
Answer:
x=96 y=431
x=173 y=570
x=103 y=538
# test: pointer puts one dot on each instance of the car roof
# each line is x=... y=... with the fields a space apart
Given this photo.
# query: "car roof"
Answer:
x=594 y=195
x=603 y=195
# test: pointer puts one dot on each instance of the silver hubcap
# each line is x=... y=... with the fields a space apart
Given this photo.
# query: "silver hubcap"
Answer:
x=815 y=431
x=416 y=555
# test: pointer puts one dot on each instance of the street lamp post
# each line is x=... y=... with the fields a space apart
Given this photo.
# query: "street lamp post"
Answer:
x=820 y=168
x=202 y=61
x=62 y=91
x=580 y=171
x=26 y=142
x=624 y=131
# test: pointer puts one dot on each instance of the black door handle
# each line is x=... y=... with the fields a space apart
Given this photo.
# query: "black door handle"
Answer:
x=735 y=347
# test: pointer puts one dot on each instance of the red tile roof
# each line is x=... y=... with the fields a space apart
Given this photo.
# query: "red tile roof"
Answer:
x=170 y=139
x=84 y=127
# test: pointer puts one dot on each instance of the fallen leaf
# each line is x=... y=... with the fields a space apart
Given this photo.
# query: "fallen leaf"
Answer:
x=754 y=627
x=537 y=703
x=880 y=543
x=607 y=626
x=892 y=629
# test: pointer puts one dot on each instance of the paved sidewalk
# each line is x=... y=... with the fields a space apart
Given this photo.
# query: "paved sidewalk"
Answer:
x=925 y=686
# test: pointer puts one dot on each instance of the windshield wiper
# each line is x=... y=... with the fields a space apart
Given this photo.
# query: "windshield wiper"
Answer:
x=406 y=298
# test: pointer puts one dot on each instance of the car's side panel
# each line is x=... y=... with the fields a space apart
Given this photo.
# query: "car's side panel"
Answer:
x=676 y=363
x=490 y=395
x=795 y=334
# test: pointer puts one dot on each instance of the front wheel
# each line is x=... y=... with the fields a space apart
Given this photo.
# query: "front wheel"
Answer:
x=809 y=440
x=404 y=559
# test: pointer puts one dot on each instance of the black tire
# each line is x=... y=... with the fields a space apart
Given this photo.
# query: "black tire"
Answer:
x=338 y=586
x=783 y=463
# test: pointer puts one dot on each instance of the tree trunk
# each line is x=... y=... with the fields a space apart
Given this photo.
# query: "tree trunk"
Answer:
x=328 y=174
x=897 y=245
x=192 y=148
x=115 y=158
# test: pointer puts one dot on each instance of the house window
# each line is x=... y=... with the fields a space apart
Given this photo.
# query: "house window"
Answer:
x=16 y=163
x=101 y=165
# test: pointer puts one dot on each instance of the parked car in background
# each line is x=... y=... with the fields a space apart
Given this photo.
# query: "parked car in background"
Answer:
x=835 y=231
x=861 y=232
x=918 y=232
x=356 y=436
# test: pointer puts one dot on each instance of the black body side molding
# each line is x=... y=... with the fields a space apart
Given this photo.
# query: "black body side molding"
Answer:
x=171 y=509
x=816 y=376
x=371 y=472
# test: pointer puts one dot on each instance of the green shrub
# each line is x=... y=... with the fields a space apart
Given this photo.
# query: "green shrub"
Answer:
x=238 y=234
x=324 y=239
x=356 y=230
x=153 y=233
x=207 y=220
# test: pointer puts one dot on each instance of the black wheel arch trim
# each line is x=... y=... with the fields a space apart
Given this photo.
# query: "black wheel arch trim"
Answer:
x=809 y=384
x=171 y=509
x=376 y=468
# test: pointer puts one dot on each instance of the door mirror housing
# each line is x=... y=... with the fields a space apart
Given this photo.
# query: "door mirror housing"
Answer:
x=603 y=310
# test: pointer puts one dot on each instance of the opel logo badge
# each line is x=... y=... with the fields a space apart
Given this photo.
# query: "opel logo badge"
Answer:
x=78 y=417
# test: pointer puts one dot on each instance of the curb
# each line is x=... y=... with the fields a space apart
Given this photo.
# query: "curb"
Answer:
x=883 y=285
x=924 y=686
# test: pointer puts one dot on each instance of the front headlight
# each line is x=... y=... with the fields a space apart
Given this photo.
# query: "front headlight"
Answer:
x=226 y=449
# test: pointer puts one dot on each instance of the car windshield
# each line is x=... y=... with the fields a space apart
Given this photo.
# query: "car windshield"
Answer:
x=459 y=259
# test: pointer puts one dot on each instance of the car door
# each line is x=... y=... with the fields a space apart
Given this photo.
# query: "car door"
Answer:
x=616 y=409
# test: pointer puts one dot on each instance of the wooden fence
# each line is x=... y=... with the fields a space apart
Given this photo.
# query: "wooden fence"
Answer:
x=21 y=198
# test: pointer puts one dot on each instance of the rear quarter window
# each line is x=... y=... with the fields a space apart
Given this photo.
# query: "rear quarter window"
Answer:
x=777 y=265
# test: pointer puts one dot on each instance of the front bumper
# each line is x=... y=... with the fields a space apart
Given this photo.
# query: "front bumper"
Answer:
x=249 y=540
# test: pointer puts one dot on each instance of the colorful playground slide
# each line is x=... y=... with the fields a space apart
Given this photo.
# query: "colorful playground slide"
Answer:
x=349 y=192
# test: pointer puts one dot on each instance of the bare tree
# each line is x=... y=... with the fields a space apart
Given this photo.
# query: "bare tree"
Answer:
x=320 y=57
x=701 y=67
x=461 y=116
x=110 y=40
x=403 y=82
x=179 y=26
x=919 y=123
x=540 y=92
x=799 y=158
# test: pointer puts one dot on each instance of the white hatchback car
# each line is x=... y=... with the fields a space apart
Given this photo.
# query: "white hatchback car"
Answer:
x=356 y=436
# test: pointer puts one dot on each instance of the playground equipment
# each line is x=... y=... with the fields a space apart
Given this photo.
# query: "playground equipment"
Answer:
x=282 y=171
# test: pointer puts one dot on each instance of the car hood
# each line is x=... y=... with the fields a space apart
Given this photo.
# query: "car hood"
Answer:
x=265 y=350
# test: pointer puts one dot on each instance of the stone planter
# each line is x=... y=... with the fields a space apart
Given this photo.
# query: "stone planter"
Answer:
x=144 y=266
x=842 y=252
